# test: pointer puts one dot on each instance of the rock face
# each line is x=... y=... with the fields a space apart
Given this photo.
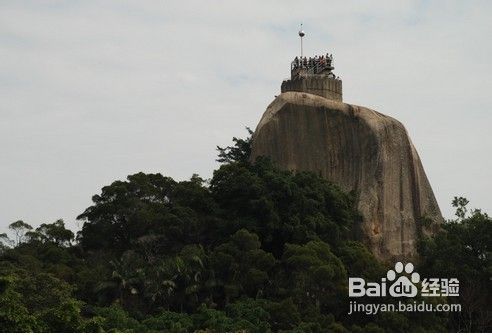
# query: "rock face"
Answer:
x=361 y=150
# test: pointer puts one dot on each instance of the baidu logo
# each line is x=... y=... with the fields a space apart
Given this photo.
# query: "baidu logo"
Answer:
x=403 y=286
x=403 y=281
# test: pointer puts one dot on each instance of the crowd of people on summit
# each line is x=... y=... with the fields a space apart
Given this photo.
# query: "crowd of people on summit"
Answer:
x=316 y=64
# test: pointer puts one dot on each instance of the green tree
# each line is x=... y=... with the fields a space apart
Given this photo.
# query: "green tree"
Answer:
x=251 y=311
x=463 y=250
x=241 y=266
x=50 y=300
x=5 y=242
x=360 y=262
x=114 y=319
x=169 y=322
x=153 y=211
x=54 y=232
x=284 y=315
x=14 y=316
x=281 y=206
x=460 y=204
x=240 y=152
x=19 y=228
x=316 y=276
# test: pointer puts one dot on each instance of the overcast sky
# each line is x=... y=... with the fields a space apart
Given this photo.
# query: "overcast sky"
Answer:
x=92 y=91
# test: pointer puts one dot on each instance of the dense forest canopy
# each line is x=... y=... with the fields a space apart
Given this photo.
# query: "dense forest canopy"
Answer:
x=253 y=249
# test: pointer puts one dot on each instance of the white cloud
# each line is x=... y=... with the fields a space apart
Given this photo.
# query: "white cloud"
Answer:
x=92 y=91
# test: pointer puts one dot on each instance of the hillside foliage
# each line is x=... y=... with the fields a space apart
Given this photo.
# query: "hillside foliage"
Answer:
x=253 y=249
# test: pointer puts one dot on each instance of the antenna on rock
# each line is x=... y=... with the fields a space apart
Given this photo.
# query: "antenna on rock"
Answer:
x=301 y=35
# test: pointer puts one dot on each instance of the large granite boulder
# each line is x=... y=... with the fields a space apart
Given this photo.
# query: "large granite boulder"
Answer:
x=361 y=150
